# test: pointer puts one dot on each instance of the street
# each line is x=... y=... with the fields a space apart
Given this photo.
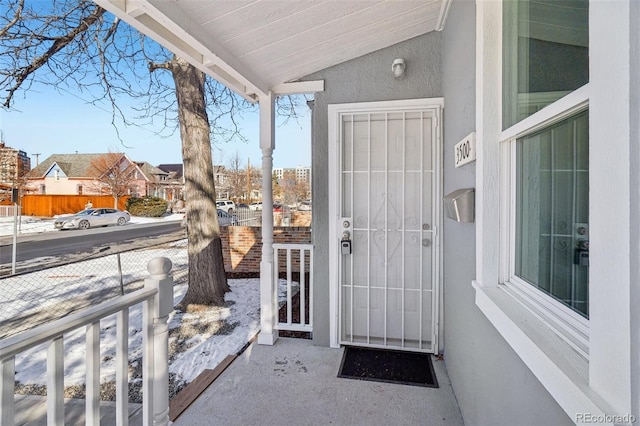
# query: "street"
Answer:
x=61 y=244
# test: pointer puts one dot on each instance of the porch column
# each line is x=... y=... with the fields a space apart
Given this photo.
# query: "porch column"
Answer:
x=268 y=304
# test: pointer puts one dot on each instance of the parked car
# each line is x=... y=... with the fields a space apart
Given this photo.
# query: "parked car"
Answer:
x=256 y=206
x=226 y=205
x=224 y=219
x=90 y=218
x=304 y=206
x=242 y=206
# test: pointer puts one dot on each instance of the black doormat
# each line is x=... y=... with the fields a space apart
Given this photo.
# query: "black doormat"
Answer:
x=384 y=365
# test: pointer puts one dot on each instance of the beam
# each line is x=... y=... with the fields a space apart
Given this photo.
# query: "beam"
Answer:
x=299 y=87
x=164 y=22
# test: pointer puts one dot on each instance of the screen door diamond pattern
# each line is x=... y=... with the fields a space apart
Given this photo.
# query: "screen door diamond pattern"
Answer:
x=388 y=181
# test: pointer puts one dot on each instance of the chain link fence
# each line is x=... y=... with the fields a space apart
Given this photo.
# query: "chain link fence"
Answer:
x=32 y=298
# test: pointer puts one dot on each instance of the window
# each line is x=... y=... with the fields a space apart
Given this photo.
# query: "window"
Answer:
x=43 y=189
x=552 y=211
x=545 y=54
x=546 y=157
x=79 y=189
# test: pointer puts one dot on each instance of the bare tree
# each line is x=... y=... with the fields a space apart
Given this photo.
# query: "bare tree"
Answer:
x=293 y=189
x=76 y=45
x=236 y=177
x=114 y=175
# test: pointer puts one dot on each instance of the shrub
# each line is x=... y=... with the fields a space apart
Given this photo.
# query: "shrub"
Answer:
x=146 y=206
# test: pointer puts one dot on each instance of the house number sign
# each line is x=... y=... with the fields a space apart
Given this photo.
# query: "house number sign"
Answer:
x=465 y=150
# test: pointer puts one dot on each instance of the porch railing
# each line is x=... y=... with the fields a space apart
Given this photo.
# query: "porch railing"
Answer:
x=8 y=211
x=297 y=259
x=157 y=299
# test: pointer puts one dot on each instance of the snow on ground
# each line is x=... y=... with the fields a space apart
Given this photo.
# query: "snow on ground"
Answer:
x=235 y=323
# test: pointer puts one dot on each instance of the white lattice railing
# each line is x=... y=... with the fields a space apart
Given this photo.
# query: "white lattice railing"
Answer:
x=299 y=258
x=157 y=299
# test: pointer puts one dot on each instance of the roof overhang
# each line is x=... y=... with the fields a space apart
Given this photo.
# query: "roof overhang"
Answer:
x=259 y=46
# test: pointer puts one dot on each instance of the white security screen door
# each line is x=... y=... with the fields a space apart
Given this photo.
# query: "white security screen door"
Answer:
x=386 y=204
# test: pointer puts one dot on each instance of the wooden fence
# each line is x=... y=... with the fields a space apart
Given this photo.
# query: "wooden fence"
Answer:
x=52 y=205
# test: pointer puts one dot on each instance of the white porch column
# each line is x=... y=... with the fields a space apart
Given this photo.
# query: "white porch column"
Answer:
x=268 y=303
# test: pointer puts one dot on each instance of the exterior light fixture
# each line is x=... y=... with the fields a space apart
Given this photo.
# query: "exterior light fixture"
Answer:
x=398 y=66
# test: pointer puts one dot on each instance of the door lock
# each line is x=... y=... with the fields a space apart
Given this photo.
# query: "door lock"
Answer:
x=581 y=254
x=345 y=243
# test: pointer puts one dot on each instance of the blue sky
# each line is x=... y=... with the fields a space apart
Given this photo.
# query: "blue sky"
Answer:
x=46 y=122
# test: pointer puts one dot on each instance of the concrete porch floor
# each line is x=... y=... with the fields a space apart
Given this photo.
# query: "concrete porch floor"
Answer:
x=294 y=383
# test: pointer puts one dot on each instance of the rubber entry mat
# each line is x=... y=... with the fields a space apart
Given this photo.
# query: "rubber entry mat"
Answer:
x=384 y=365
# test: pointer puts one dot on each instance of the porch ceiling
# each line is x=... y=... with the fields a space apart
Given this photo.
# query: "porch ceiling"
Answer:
x=253 y=46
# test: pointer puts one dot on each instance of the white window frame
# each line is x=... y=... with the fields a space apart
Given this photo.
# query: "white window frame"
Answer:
x=570 y=325
x=573 y=327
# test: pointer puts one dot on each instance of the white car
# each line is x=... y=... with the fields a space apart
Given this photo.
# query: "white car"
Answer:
x=224 y=219
x=304 y=206
x=256 y=206
x=226 y=205
x=90 y=218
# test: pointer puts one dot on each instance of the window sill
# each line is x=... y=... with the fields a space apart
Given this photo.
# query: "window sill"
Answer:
x=561 y=369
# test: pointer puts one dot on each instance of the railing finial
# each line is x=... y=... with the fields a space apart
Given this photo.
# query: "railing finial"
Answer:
x=159 y=266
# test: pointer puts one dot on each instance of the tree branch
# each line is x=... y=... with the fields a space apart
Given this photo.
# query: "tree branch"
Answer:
x=16 y=17
x=154 y=66
x=59 y=44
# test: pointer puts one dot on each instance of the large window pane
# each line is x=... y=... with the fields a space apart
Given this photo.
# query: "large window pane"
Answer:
x=552 y=208
x=546 y=54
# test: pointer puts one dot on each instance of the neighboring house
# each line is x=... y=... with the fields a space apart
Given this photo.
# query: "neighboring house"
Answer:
x=157 y=182
x=173 y=183
x=175 y=179
x=82 y=174
x=535 y=304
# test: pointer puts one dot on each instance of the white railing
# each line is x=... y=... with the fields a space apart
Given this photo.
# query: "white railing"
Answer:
x=157 y=299
x=304 y=260
x=8 y=211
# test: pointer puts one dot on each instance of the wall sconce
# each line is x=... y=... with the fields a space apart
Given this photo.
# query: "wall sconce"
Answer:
x=398 y=66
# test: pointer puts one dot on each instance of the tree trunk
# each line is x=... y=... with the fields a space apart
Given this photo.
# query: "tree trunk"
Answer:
x=207 y=278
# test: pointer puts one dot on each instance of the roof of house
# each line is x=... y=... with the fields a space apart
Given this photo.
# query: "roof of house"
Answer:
x=73 y=165
x=176 y=169
x=150 y=170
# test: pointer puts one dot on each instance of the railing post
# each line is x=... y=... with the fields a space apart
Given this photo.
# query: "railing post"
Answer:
x=7 y=388
x=156 y=358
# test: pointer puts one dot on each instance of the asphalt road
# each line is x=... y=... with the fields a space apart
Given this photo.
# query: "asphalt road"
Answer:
x=65 y=243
